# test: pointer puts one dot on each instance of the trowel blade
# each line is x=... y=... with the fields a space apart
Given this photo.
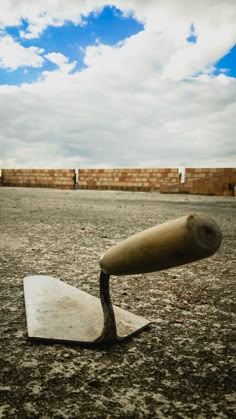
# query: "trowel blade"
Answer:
x=58 y=311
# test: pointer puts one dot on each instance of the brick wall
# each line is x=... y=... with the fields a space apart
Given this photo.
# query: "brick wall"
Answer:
x=127 y=179
x=219 y=182
x=197 y=181
x=204 y=173
x=46 y=178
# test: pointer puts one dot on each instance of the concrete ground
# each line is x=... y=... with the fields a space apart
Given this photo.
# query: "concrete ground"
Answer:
x=183 y=366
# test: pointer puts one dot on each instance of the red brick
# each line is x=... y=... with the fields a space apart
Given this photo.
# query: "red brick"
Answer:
x=228 y=193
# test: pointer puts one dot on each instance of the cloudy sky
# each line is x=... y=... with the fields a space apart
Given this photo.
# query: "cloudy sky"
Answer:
x=122 y=83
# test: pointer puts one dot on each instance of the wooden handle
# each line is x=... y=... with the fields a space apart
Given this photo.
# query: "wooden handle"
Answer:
x=167 y=245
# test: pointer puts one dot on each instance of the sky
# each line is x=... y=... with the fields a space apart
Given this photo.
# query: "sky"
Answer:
x=128 y=83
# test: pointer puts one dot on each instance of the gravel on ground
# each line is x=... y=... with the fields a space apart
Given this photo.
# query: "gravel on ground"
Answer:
x=182 y=366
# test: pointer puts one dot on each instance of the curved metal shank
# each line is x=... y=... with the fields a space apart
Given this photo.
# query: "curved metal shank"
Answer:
x=109 y=332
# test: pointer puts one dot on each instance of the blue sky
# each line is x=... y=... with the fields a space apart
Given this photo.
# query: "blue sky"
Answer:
x=109 y=27
x=87 y=80
x=228 y=63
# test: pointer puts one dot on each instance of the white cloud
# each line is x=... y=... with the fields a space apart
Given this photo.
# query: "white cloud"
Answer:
x=57 y=58
x=61 y=61
x=212 y=44
x=42 y=13
x=83 y=118
x=14 y=55
x=137 y=104
x=38 y=14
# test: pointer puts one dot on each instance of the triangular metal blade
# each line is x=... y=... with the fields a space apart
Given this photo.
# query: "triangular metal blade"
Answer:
x=58 y=311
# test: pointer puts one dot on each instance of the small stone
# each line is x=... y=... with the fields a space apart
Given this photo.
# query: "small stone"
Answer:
x=179 y=320
x=66 y=355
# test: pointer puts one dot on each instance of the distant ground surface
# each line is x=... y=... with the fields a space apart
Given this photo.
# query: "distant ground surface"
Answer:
x=183 y=366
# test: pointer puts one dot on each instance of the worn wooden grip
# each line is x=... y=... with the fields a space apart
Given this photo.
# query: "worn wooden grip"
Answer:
x=174 y=243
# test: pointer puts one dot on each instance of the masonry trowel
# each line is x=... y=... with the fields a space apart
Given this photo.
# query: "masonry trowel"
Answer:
x=57 y=311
